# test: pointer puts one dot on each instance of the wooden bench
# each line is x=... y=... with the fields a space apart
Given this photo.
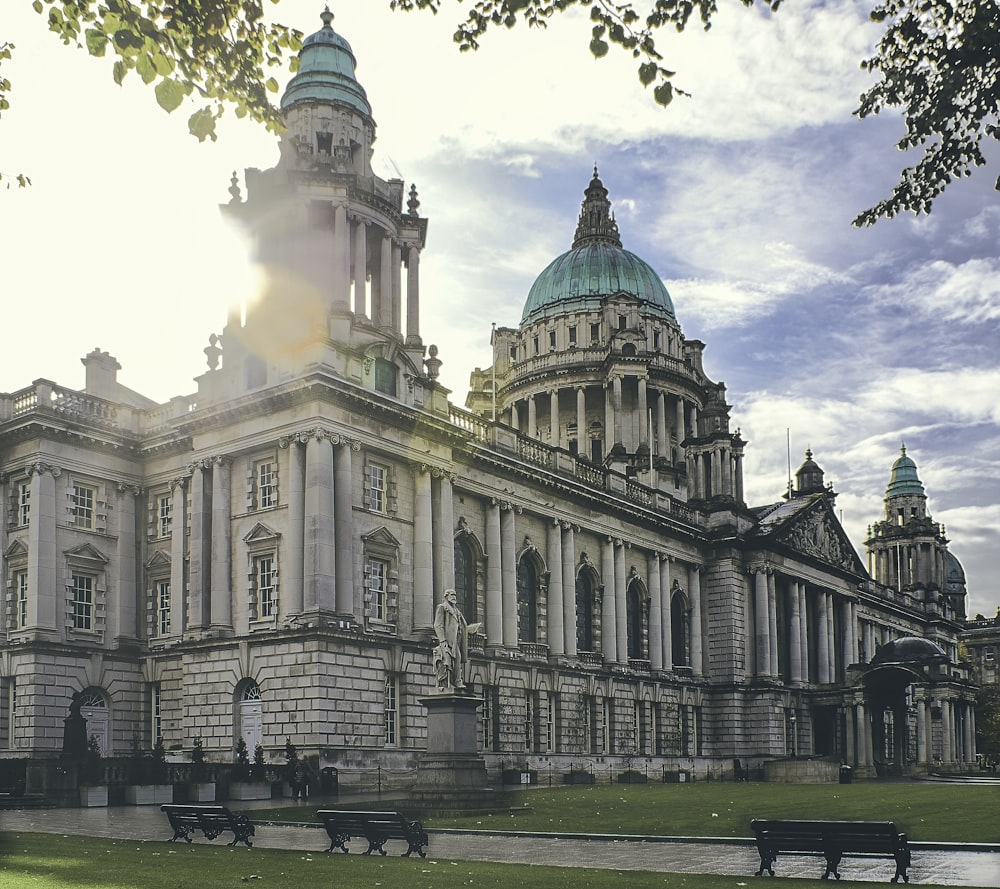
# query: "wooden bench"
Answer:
x=211 y=821
x=343 y=825
x=832 y=840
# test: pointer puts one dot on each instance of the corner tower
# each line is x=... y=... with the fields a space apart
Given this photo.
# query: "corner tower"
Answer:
x=599 y=367
x=908 y=550
x=339 y=246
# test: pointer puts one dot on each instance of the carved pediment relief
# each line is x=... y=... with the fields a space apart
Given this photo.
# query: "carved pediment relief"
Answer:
x=817 y=534
x=260 y=533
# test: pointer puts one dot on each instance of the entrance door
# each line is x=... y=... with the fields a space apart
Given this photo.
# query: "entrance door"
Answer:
x=251 y=718
x=94 y=708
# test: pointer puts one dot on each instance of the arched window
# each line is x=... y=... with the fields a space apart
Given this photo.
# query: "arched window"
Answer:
x=628 y=350
x=584 y=612
x=249 y=716
x=94 y=709
x=527 y=600
x=635 y=619
x=465 y=580
x=679 y=630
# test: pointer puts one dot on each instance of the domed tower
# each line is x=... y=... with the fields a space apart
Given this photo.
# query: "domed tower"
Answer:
x=339 y=249
x=908 y=550
x=599 y=367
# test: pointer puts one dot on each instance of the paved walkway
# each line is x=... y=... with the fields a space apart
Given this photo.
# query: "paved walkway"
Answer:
x=932 y=863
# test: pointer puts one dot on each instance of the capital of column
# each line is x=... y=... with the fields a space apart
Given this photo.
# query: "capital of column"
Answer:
x=761 y=568
x=126 y=488
x=40 y=468
x=179 y=482
x=221 y=460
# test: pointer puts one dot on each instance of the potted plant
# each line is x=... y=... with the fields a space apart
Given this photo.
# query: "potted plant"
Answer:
x=147 y=776
x=248 y=782
x=200 y=789
x=93 y=787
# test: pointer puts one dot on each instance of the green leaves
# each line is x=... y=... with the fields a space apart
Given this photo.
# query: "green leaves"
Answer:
x=169 y=94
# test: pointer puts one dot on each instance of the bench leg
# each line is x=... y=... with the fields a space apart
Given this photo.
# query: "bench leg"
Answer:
x=338 y=842
x=832 y=860
x=181 y=833
x=766 y=863
x=415 y=846
x=375 y=846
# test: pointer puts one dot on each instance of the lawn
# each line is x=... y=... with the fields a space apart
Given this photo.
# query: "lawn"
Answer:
x=41 y=861
x=925 y=811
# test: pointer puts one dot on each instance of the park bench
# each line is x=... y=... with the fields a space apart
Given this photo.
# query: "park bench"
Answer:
x=377 y=828
x=832 y=840
x=211 y=821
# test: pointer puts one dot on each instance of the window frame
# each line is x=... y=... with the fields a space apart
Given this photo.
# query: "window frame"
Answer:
x=391 y=706
x=164 y=515
x=265 y=483
x=265 y=593
x=19 y=581
x=82 y=610
x=376 y=496
x=83 y=502
x=377 y=582
x=162 y=604
x=23 y=503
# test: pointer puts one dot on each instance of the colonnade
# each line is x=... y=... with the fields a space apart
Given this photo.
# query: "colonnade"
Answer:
x=354 y=239
x=902 y=564
x=811 y=640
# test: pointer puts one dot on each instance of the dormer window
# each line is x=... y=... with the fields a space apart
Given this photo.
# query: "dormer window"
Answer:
x=622 y=321
x=324 y=143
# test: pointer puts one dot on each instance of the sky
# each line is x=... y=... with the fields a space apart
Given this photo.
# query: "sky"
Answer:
x=846 y=341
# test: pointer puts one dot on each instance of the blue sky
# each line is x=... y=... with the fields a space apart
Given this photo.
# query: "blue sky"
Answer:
x=741 y=198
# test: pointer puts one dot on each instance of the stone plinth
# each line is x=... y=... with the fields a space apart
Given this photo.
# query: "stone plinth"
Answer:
x=452 y=774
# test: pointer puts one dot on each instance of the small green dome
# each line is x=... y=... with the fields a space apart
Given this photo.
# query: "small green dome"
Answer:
x=904 y=481
x=954 y=573
x=326 y=72
x=596 y=267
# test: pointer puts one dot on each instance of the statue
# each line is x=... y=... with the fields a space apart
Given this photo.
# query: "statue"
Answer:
x=75 y=728
x=451 y=654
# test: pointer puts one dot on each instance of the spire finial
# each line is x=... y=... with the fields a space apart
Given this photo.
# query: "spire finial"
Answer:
x=902 y=449
x=595 y=170
x=327 y=17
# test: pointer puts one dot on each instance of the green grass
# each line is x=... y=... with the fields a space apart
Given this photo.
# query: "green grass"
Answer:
x=925 y=811
x=41 y=861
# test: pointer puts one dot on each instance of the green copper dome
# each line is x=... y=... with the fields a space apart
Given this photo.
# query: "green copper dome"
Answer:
x=903 y=480
x=596 y=267
x=326 y=72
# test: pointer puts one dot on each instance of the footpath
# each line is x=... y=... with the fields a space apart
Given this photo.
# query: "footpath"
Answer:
x=938 y=863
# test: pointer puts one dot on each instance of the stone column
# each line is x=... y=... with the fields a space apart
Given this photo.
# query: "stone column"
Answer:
x=609 y=634
x=655 y=612
x=494 y=580
x=662 y=442
x=290 y=601
x=772 y=624
x=555 y=427
x=515 y=422
x=569 y=588
x=385 y=309
x=693 y=419
x=397 y=288
x=715 y=486
x=947 y=731
x=413 y=296
x=761 y=635
x=423 y=555
x=43 y=586
x=666 y=617
x=920 y=705
x=621 y=612
x=341 y=259
x=343 y=524
x=643 y=414
x=970 y=719
x=694 y=583
x=319 y=554
x=804 y=631
x=738 y=477
x=554 y=556
x=508 y=564
x=360 y=268
x=221 y=601
x=197 y=552
x=123 y=603
x=444 y=538
x=867 y=737
x=850 y=711
x=831 y=628
x=794 y=634
x=609 y=417
x=822 y=639
x=867 y=638
x=178 y=537
x=582 y=437
x=679 y=420
x=616 y=402
x=532 y=417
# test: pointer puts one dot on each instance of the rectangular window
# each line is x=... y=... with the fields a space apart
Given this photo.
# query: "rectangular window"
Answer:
x=656 y=340
x=82 y=600
x=605 y=725
x=156 y=725
x=654 y=727
x=637 y=728
x=391 y=711
x=552 y=339
x=595 y=334
x=535 y=343
x=11 y=712
x=529 y=722
x=265 y=484
x=82 y=510
x=622 y=321
x=21 y=598
x=989 y=655
x=487 y=718
x=163 y=608
x=164 y=514
x=264 y=577
x=572 y=335
x=376 y=487
x=550 y=725
x=377 y=574
x=23 y=503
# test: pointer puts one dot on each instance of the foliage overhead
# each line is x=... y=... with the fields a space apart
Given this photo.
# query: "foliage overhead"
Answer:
x=937 y=59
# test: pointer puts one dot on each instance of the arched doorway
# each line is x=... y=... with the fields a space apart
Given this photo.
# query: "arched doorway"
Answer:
x=250 y=716
x=94 y=708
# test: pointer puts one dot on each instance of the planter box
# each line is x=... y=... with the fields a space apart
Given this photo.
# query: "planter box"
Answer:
x=94 y=795
x=203 y=792
x=632 y=778
x=576 y=777
x=149 y=794
x=250 y=790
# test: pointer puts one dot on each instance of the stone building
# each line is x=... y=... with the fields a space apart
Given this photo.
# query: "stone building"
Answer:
x=262 y=559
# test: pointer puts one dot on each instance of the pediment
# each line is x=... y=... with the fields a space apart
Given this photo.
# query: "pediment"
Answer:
x=86 y=556
x=17 y=550
x=816 y=532
x=261 y=533
x=381 y=536
x=159 y=559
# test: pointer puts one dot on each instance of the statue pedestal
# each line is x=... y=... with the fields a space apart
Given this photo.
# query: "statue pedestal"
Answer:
x=451 y=778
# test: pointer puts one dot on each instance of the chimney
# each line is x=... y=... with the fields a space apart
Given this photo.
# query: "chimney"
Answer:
x=102 y=373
